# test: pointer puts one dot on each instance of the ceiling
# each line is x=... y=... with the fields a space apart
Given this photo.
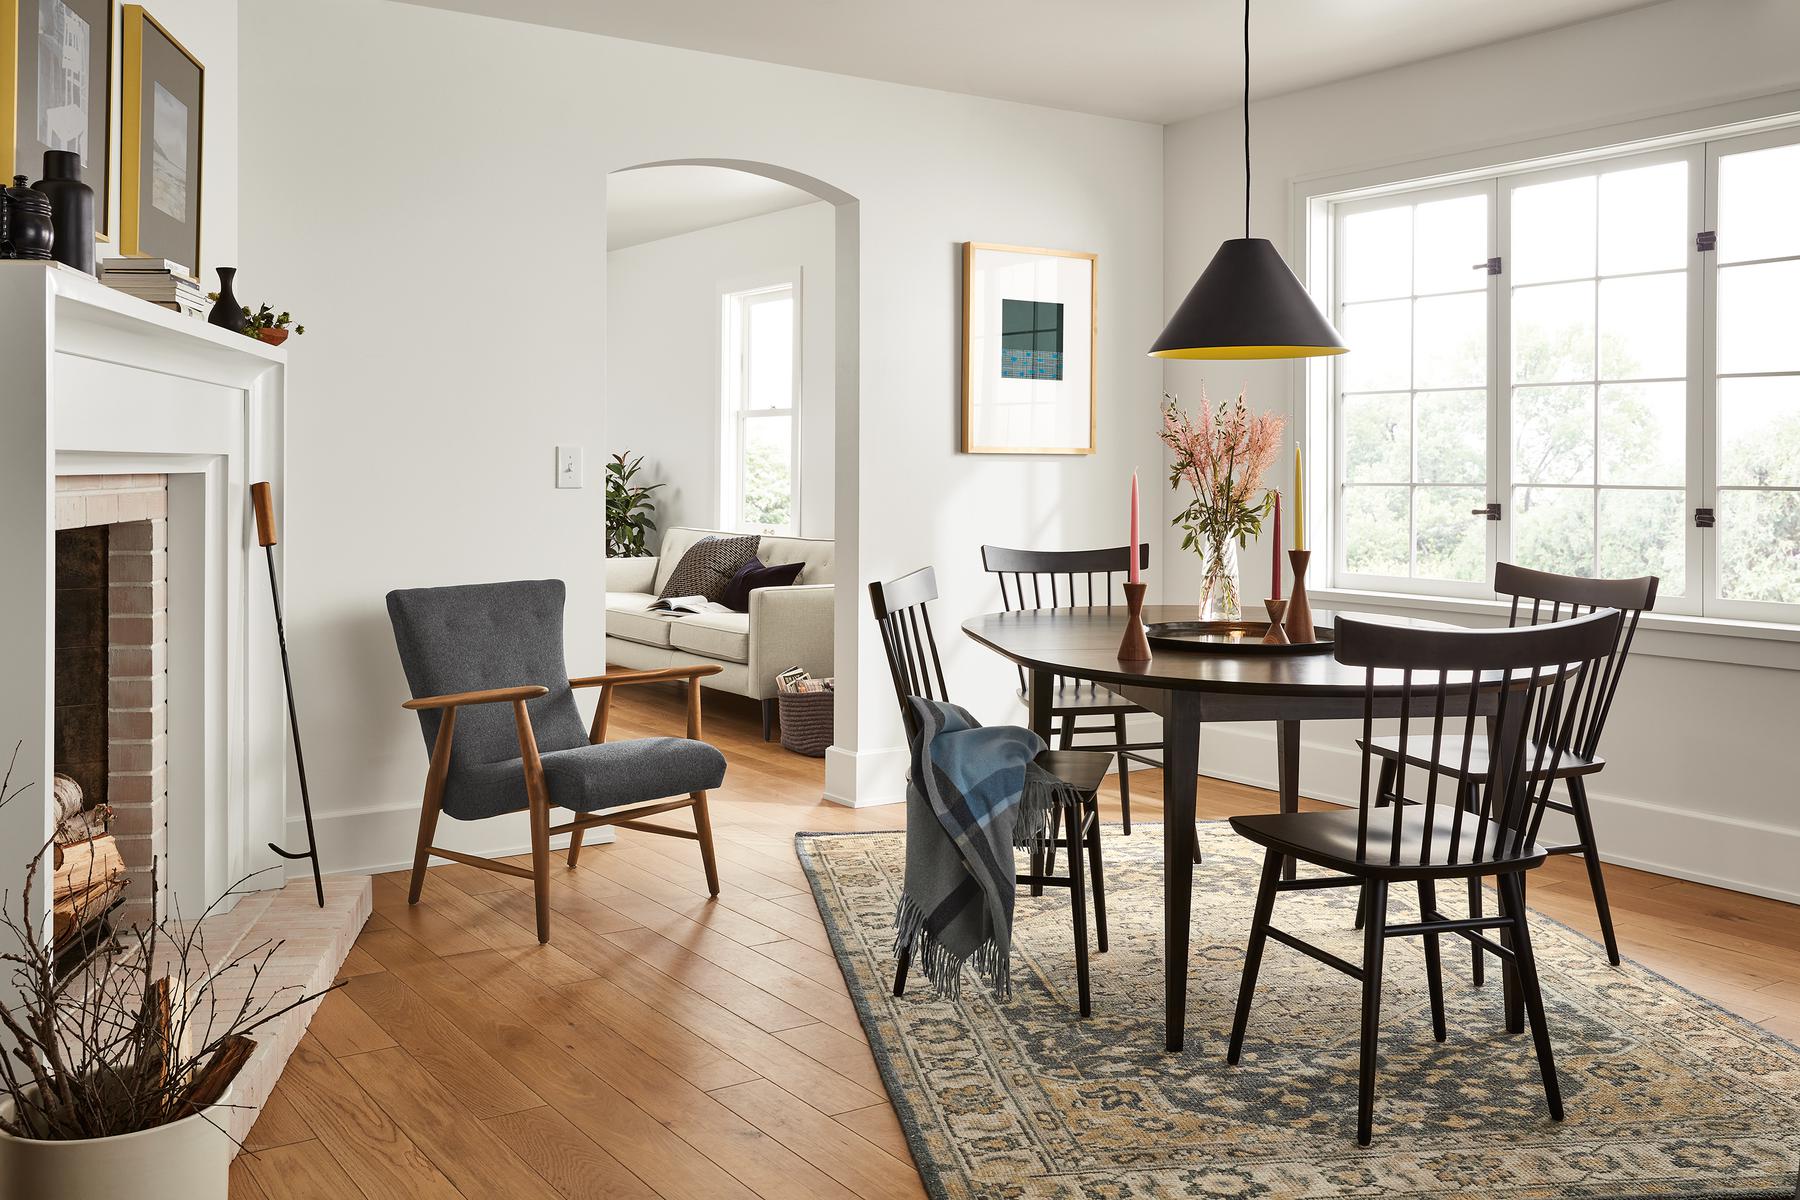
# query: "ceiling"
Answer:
x=1150 y=60
x=649 y=203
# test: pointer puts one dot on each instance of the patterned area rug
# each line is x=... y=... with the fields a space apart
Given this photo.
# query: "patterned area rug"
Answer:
x=1666 y=1094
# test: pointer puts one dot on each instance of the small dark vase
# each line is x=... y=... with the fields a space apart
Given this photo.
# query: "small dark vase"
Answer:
x=30 y=233
x=227 y=313
x=71 y=209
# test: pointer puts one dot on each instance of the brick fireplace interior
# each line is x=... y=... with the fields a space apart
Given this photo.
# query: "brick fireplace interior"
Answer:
x=111 y=658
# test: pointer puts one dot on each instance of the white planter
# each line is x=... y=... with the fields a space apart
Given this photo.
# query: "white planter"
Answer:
x=188 y=1159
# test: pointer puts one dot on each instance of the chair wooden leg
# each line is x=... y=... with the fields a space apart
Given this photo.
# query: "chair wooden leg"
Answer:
x=1078 y=904
x=1037 y=859
x=900 y=971
x=1478 y=956
x=1119 y=740
x=540 y=866
x=1384 y=789
x=575 y=847
x=1374 y=945
x=1434 y=964
x=1512 y=905
x=1534 y=998
x=435 y=776
x=1590 y=853
x=1253 y=952
x=703 y=826
x=1096 y=873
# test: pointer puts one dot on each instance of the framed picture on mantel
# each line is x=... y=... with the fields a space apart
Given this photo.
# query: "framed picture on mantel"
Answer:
x=162 y=114
x=1029 y=320
x=56 y=90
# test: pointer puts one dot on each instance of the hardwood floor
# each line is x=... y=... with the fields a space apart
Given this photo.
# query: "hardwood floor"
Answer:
x=668 y=1046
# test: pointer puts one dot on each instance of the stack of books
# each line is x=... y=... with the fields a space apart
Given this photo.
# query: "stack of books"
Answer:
x=157 y=280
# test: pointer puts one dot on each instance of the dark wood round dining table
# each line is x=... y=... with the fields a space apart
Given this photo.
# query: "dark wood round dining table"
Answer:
x=1189 y=688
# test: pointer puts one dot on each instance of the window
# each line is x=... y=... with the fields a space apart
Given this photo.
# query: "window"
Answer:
x=760 y=387
x=1587 y=369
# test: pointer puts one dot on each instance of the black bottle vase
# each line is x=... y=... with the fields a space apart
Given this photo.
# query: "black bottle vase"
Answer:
x=71 y=209
x=29 y=231
x=226 y=312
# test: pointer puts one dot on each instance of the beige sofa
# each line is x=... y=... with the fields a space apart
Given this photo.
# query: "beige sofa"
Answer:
x=785 y=627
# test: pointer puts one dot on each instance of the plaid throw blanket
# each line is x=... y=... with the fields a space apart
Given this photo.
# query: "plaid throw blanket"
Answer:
x=973 y=795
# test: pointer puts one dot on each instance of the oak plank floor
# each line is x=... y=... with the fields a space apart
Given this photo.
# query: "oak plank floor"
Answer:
x=668 y=1046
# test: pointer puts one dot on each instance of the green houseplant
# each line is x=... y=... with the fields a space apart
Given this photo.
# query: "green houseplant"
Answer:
x=630 y=512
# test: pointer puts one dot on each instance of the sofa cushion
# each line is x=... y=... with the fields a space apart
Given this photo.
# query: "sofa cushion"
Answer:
x=714 y=635
x=708 y=565
x=819 y=554
x=754 y=575
x=628 y=616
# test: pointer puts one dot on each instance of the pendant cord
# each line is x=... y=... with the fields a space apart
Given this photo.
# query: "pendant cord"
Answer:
x=1246 y=120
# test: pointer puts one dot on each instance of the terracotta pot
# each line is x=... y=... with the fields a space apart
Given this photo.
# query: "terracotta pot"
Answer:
x=188 y=1159
x=273 y=336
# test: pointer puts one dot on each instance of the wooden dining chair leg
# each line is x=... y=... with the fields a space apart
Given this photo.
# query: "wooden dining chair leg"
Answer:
x=1512 y=903
x=900 y=971
x=1253 y=952
x=703 y=827
x=1384 y=791
x=1434 y=964
x=1038 y=870
x=1590 y=853
x=1119 y=740
x=1374 y=946
x=1533 y=996
x=1096 y=873
x=1477 y=955
x=1072 y=821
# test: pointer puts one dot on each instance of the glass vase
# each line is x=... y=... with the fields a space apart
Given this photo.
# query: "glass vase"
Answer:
x=1219 y=580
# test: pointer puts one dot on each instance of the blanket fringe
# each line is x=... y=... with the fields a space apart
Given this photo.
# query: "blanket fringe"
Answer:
x=1041 y=804
x=941 y=967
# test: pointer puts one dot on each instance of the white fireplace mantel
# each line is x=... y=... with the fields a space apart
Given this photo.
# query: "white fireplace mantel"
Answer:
x=93 y=381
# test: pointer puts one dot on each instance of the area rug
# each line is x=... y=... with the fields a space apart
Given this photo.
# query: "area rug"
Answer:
x=1666 y=1094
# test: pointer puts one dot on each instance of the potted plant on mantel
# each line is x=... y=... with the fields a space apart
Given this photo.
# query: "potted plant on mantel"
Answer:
x=268 y=325
x=116 y=1069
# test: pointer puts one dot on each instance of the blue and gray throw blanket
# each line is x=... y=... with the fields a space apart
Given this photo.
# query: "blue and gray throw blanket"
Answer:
x=973 y=796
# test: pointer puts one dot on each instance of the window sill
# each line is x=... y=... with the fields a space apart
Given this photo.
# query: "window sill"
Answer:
x=1661 y=635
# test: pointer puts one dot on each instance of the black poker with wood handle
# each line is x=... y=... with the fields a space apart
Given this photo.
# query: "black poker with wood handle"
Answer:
x=264 y=507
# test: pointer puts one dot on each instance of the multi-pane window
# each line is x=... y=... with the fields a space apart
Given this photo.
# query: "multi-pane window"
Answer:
x=1589 y=369
x=759 y=490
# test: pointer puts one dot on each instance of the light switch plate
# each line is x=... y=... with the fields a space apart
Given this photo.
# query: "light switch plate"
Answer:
x=568 y=467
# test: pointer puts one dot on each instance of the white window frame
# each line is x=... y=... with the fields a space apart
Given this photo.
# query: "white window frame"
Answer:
x=1319 y=206
x=736 y=299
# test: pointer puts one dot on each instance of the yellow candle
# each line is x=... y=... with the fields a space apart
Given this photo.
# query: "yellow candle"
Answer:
x=1299 y=501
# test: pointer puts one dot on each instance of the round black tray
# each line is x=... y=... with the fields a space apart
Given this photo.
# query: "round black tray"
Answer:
x=1230 y=637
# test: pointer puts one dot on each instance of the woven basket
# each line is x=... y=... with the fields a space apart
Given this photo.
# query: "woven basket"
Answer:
x=806 y=721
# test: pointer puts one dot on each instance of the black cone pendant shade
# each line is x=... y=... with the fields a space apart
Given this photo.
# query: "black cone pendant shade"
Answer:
x=1247 y=304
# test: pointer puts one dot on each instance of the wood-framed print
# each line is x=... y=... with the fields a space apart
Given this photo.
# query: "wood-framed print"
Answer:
x=161 y=115
x=56 y=90
x=1028 y=350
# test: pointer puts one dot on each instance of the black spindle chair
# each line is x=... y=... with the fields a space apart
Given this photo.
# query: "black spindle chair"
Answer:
x=1539 y=597
x=904 y=619
x=1545 y=677
x=1074 y=579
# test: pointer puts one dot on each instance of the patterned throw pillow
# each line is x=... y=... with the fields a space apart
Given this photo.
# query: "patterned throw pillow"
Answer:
x=707 y=567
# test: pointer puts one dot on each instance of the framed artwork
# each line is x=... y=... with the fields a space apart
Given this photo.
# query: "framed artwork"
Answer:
x=1028 y=350
x=56 y=90
x=161 y=115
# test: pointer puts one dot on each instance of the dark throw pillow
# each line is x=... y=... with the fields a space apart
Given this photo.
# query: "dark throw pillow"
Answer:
x=754 y=575
x=708 y=566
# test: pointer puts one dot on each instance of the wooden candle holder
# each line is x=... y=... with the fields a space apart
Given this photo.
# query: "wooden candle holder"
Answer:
x=1299 y=620
x=1277 y=635
x=1135 y=647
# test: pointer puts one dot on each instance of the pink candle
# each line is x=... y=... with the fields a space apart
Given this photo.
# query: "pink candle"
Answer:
x=1275 y=554
x=1134 y=528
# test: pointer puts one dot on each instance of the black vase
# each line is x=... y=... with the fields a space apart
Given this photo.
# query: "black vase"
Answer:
x=71 y=209
x=227 y=313
x=30 y=233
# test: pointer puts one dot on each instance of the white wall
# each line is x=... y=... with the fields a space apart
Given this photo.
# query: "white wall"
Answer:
x=662 y=372
x=435 y=216
x=1701 y=781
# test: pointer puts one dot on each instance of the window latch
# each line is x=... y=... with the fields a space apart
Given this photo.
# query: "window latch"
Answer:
x=1706 y=240
x=1703 y=518
x=1491 y=511
x=1491 y=266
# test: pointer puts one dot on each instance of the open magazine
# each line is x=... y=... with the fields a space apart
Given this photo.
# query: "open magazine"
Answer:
x=688 y=604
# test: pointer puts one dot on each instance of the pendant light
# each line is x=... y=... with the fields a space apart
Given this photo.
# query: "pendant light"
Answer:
x=1247 y=304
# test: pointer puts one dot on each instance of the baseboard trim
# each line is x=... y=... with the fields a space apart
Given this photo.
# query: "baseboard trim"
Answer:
x=865 y=778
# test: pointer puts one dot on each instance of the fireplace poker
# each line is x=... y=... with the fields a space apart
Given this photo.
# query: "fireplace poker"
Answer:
x=264 y=506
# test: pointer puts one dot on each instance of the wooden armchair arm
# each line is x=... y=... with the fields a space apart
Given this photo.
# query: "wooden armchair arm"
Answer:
x=529 y=691
x=612 y=679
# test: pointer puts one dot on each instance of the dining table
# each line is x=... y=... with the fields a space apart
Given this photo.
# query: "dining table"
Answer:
x=1189 y=688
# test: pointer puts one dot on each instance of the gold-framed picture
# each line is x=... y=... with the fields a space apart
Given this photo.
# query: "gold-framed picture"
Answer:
x=1030 y=320
x=56 y=91
x=162 y=114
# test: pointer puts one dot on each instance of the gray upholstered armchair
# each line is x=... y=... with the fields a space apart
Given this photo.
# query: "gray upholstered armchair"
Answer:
x=472 y=654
